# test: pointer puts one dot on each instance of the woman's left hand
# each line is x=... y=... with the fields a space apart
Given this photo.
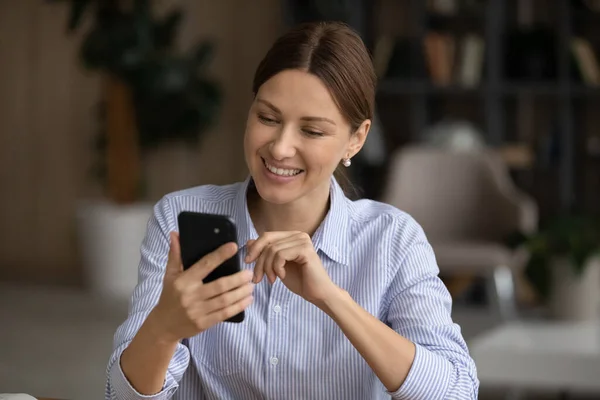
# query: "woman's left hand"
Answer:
x=291 y=257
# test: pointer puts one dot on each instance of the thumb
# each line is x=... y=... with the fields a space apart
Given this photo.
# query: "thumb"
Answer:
x=174 y=264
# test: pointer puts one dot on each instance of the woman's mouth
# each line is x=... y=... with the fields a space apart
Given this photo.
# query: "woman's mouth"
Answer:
x=281 y=171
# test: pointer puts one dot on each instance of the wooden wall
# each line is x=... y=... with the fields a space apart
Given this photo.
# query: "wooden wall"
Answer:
x=47 y=123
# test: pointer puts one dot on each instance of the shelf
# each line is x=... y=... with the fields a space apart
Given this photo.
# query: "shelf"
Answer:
x=585 y=16
x=552 y=89
x=404 y=87
x=558 y=112
x=585 y=91
x=470 y=20
x=416 y=87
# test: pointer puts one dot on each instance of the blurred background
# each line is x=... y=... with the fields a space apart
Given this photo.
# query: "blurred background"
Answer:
x=487 y=132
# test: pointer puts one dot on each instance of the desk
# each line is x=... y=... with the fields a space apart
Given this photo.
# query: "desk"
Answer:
x=22 y=396
x=540 y=355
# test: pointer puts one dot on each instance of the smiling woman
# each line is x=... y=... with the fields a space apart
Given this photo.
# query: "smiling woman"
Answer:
x=346 y=79
x=352 y=306
x=296 y=137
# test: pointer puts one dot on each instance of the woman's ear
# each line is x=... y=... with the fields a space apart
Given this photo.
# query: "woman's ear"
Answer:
x=357 y=140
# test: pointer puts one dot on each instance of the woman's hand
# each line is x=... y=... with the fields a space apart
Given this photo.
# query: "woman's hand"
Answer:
x=291 y=257
x=187 y=306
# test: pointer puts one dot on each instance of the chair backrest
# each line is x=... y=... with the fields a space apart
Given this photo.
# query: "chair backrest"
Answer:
x=453 y=195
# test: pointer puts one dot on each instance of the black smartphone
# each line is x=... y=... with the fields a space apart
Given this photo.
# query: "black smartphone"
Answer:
x=200 y=234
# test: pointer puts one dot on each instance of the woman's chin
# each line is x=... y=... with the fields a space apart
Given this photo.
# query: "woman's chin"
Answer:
x=275 y=195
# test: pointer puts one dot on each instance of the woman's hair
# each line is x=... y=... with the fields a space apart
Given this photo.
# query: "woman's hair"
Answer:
x=336 y=54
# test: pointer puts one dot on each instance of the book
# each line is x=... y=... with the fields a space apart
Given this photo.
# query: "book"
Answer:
x=586 y=61
x=470 y=65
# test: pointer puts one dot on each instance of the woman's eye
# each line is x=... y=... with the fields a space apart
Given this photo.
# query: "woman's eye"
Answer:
x=312 y=133
x=266 y=120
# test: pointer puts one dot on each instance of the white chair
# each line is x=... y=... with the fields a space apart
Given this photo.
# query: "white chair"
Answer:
x=467 y=205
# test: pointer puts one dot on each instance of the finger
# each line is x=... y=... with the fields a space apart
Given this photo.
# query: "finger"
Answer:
x=268 y=256
x=263 y=263
x=259 y=265
x=277 y=256
x=258 y=270
x=257 y=248
x=249 y=244
x=212 y=260
x=279 y=267
x=292 y=253
x=174 y=264
x=225 y=284
x=263 y=241
x=266 y=259
x=228 y=312
x=226 y=299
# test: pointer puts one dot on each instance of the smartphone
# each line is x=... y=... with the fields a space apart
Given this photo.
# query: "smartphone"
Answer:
x=200 y=234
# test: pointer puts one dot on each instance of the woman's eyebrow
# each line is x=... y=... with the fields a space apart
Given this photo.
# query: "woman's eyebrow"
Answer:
x=278 y=111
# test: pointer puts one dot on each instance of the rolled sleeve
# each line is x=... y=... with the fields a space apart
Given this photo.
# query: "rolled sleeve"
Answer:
x=426 y=367
x=122 y=389
x=419 y=309
x=154 y=254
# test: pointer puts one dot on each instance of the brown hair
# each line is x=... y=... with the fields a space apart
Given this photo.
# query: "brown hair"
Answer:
x=334 y=53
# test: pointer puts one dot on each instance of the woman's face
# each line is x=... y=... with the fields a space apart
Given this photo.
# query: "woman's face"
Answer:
x=295 y=137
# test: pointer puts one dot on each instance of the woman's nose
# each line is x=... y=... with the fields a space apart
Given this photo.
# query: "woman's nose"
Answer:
x=283 y=146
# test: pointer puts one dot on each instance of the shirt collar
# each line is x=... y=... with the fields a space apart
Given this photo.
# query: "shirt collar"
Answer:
x=245 y=227
x=331 y=237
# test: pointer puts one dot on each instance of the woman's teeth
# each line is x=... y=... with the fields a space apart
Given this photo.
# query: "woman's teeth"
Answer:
x=281 y=171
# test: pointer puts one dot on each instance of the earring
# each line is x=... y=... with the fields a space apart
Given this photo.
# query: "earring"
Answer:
x=346 y=162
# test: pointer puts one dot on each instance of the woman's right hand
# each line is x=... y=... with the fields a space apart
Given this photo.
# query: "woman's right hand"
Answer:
x=187 y=306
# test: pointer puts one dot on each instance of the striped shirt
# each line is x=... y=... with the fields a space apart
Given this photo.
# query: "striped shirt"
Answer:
x=286 y=348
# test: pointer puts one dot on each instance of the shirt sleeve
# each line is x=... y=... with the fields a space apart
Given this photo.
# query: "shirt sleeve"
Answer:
x=419 y=309
x=154 y=254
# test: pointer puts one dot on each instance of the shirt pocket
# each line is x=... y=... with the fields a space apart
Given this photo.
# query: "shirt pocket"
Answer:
x=220 y=349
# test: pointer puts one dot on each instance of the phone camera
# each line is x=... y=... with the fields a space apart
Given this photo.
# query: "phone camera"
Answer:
x=217 y=230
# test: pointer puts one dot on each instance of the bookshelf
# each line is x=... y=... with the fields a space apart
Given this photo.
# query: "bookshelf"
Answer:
x=515 y=71
x=520 y=110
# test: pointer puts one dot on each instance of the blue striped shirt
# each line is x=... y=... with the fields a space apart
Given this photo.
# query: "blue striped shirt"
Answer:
x=287 y=348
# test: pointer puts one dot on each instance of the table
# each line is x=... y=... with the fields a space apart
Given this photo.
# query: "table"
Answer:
x=560 y=356
x=21 y=396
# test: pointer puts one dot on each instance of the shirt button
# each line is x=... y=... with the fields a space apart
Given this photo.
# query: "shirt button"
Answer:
x=274 y=360
x=277 y=309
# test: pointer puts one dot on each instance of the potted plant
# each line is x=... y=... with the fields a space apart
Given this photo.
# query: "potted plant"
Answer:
x=153 y=94
x=563 y=266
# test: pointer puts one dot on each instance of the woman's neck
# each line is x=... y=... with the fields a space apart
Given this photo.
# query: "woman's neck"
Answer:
x=304 y=215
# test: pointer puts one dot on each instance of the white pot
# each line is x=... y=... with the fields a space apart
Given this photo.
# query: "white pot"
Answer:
x=110 y=236
x=575 y=297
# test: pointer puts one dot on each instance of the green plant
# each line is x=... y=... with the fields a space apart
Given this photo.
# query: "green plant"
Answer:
x=575 y=238
x=172 y=96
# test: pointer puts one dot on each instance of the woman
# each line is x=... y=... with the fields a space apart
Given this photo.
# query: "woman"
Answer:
x=342 y=298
